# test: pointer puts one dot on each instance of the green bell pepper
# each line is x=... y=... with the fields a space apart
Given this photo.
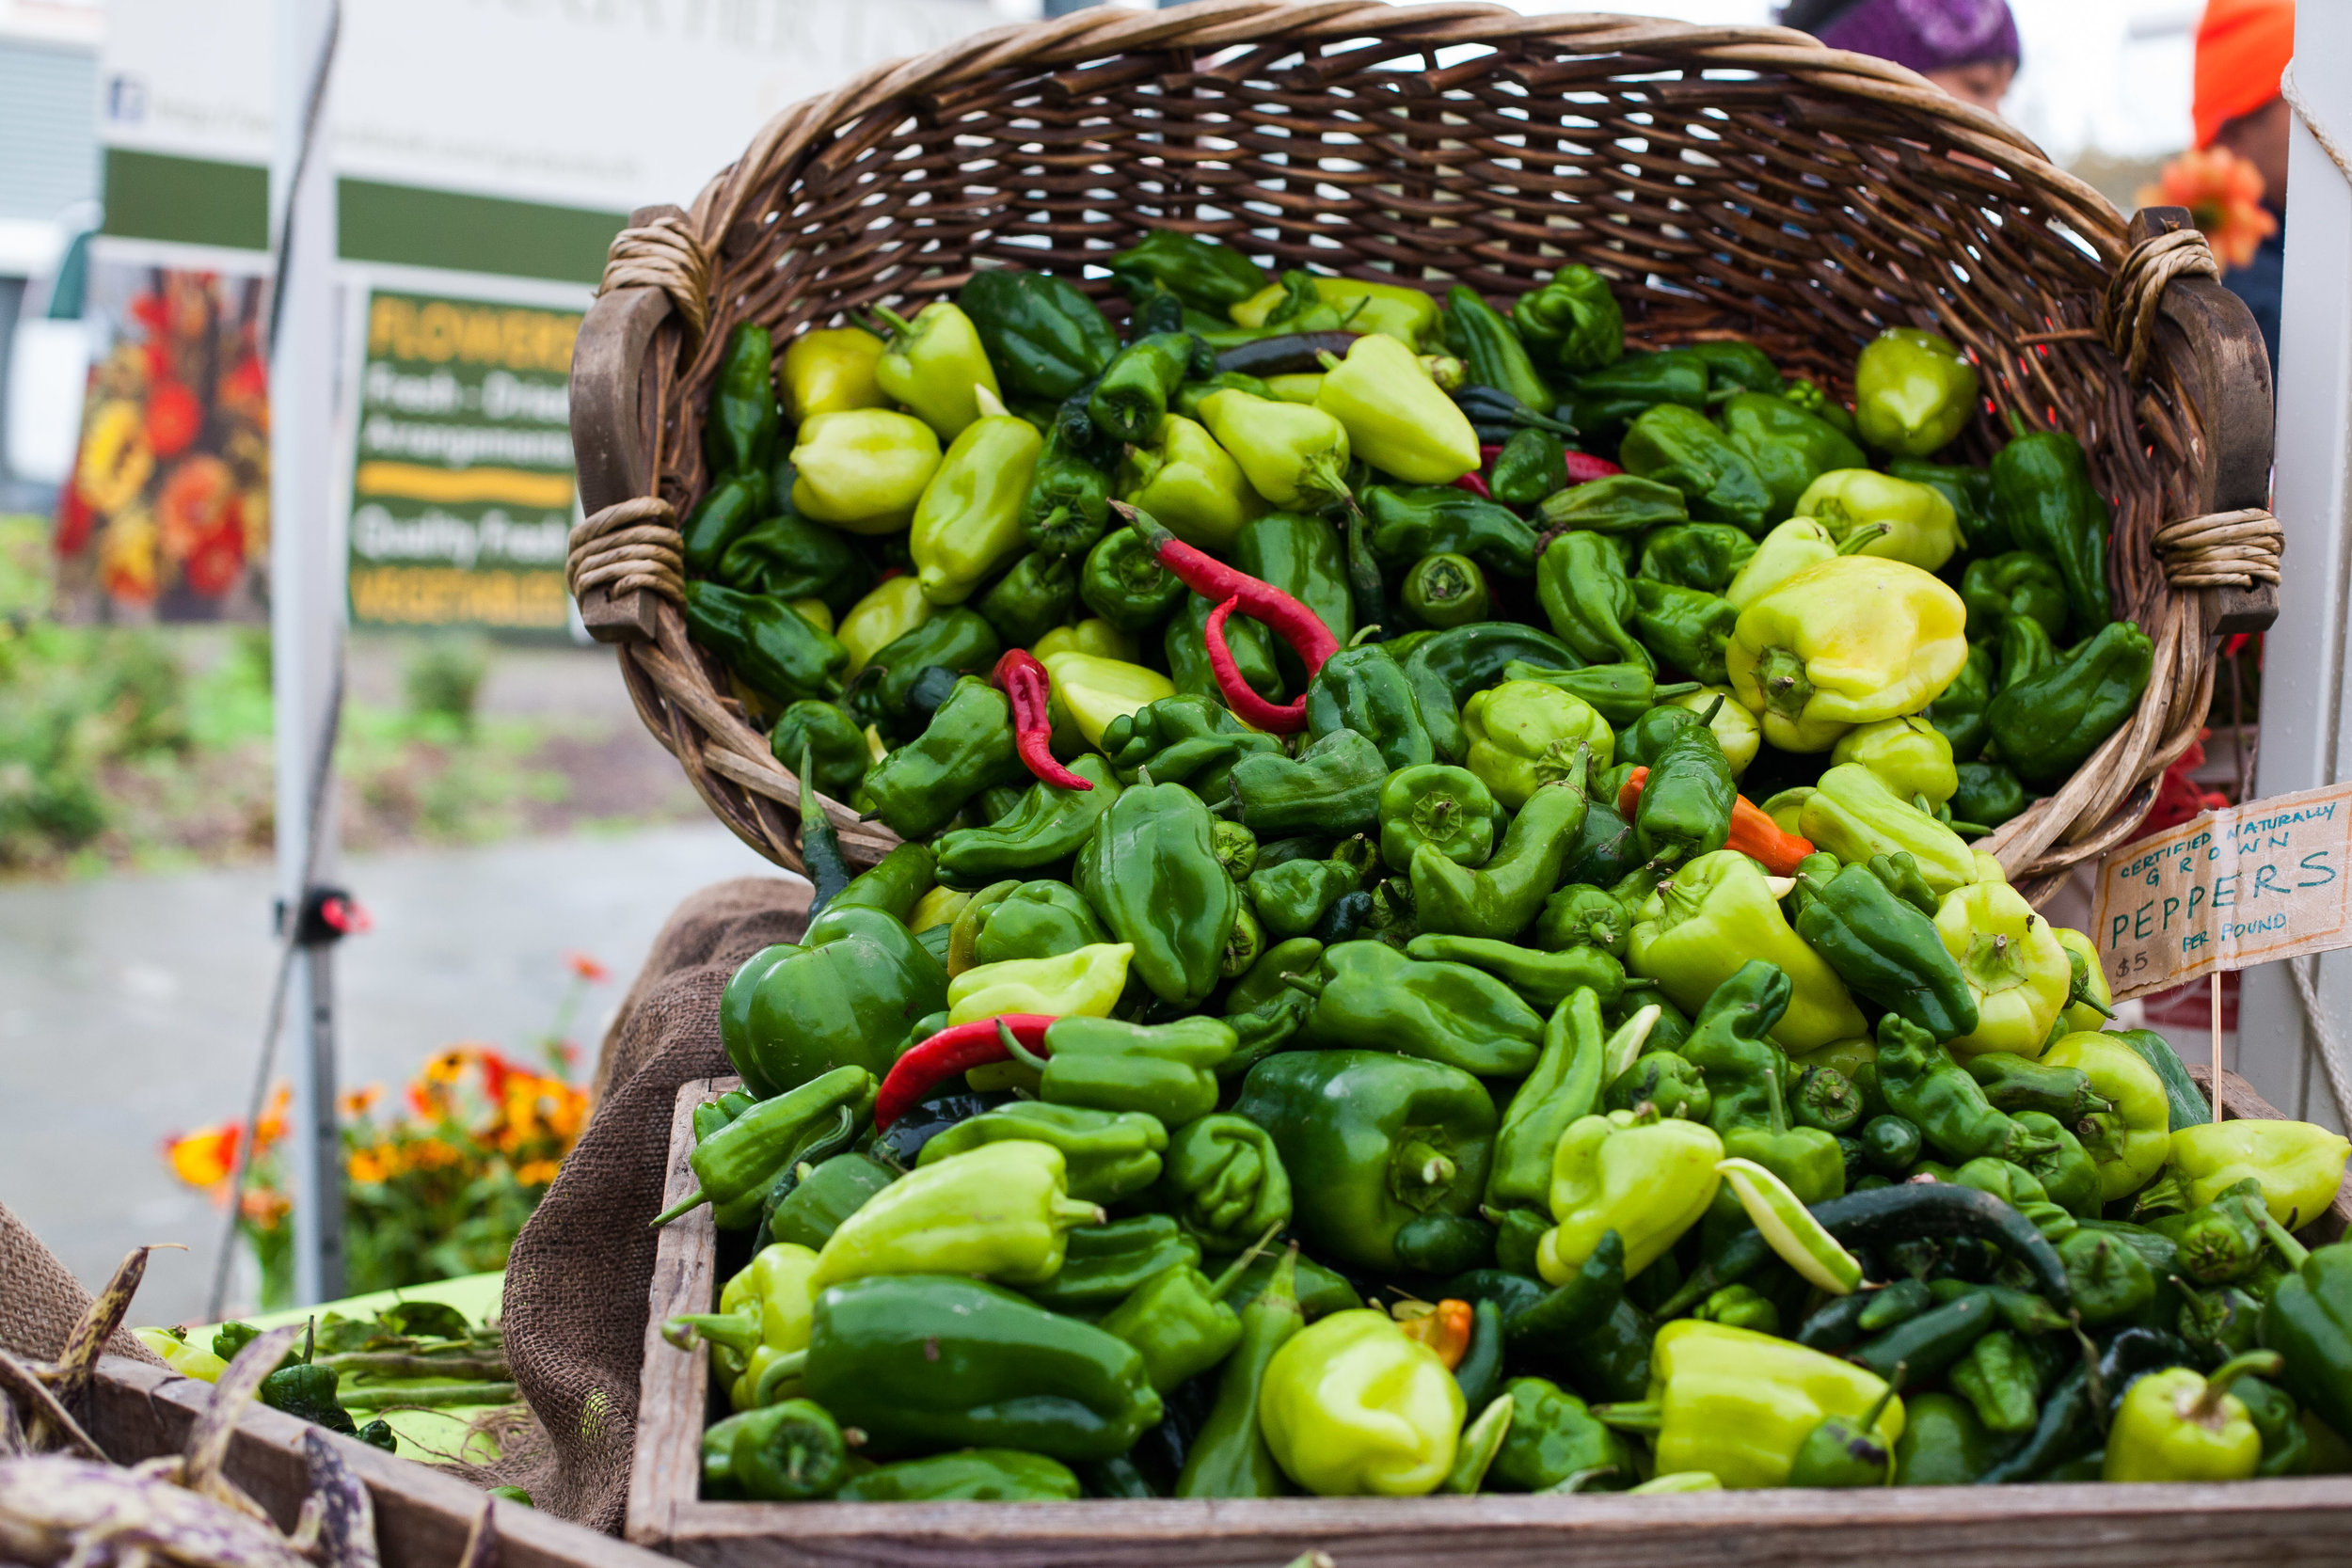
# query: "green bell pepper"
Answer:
x=1049 y=826
x=1970 y=491
x=915 y=1361
x=1152 y=874
x=1045 y=338
x=1371 y=996
x=1408 y=522
x=1573 y=321
x=1686 y=628
x=1886 y=949
x=1225 y=1183
x=768 y=643
x=1787 y=447
x=2047 y=724
x=1581 y=586
x=1523 y=735
x=1987 y=794
x=1188 y=740
x=1331 y=786
x=1913 y=392
x=844 y=995
x=1490 y=350
x=1069 y=502
x=1447 y=808
x=2019 y=582
x=1581 y=915
x=1500 y=898
x=1957 y=711
x=1682 y=446
x=1563 y=1086
x=1444 y=591
x=2308 y=1320
x=1365 y=690
x=1013 y=921
x=1603 y=401
x=1644 y=1181
x=1387 y=1154
x=1446 y=667
x=788 y=557
x=1554 y=1437
x=1532 y=466
x=1107 y=1154
x=1705 y=556
x=1206 y=276
x=968 y=747
x=2043 y=490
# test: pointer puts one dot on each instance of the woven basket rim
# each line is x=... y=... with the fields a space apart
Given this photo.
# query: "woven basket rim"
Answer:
x=676 y=698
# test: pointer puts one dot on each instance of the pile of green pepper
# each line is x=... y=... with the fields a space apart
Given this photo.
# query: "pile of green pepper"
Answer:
x=1437 y=946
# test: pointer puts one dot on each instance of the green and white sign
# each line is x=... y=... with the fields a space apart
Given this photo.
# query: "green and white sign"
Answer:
x=461 y=478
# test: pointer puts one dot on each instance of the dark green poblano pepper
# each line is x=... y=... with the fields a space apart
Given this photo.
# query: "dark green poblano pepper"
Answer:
x=1048 y=827
x=1532 y=466
x=1957 y=711
x=766 y=642
x=1572 y=322
x=1582 y=585
x=1491 y=352
x=832 y=738
x=1408 y=522
x=1970 y=491
x=2046 y=725
x=1688 y=627
x=2042 y=489
x=1706 y=556
x=1364 y=690
x=1069 y=503
x=1206 y=276
x=1683 y=447
x=967 y=747
x=1150 y=871
x=1190 y=740
x=1045 y=338
x=1333 y=786
x=788 y=557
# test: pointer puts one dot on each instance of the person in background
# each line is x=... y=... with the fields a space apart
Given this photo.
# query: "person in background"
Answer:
x=1967 y=47
x=2243 y=47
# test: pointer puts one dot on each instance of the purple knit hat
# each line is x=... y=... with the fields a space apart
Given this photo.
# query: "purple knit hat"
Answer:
x=1927 y=34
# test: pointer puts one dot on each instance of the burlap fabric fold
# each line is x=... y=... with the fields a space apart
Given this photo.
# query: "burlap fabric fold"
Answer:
x=40 y=1301
x=578 y=1279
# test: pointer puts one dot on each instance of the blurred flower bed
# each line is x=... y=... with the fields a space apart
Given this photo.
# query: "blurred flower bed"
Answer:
x=441 y=1177
x=128 y=746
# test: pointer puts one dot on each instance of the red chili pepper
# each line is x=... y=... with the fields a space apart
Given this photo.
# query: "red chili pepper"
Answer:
x=1476 y=485
x=1583 y=467
x=1488 y=451
x=957 y=1048
x=1250 y=708
x=1023 y=679
x=1754 y=834
x=1210 y=578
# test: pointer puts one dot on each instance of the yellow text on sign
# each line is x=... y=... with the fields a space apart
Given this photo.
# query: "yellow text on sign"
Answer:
x=2264 y=880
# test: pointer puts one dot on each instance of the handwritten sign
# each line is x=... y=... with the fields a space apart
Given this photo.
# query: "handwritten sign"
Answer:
x=2260 y=882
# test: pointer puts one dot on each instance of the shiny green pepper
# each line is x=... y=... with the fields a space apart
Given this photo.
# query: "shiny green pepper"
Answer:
x=2020 y=583
x=936 y=366
x=1582 y=585
x=1203 y=274
x=1789 y=448
x=1447 y=808
x=1532 y=466
x=1573 y=321
x=1913 y=391
x=1705 y=556
x=968 y=522
x=2047 y=725
x=1188 y=481
x=1523 y=735
x=1152 y=874
x=1492 y=354
x=1688 y=629
x=1446 y=591
x=1107 y=1155
x=1500 y=898
x=1895 y=518
x=1124 y=583
x=741 y=434
x=968 y=747
x=1043 y=335
x=1371 y=996
x=1365 y=690
x=832 y=737
x=766 y=642
x=1682 y=447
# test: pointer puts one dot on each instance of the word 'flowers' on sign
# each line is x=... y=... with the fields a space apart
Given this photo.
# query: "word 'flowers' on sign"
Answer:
x=2254 y=884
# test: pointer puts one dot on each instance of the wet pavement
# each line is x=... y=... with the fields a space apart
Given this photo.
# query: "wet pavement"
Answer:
x=131 y=1009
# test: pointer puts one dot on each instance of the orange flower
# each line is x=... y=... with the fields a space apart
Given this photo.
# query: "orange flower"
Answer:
x=204 y=1157
x=265 y=1208
x=537 y=1173
x=586 y=967
x=2223 y=193
x=358 y=1102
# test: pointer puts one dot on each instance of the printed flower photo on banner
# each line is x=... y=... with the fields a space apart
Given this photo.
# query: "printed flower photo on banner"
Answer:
x=166 y=517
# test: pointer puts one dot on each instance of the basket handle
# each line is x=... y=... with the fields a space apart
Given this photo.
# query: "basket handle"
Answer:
x=612 y=439
x=2210 y=340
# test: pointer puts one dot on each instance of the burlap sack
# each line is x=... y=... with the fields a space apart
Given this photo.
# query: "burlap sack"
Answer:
x=577 y=1282
x=40 y=1301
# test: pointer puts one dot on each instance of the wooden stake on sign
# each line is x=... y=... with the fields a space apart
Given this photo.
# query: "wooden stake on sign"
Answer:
x=2214 y=978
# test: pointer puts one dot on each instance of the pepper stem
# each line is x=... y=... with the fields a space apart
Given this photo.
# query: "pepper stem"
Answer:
x=731 y=1329
x=2289 y=1248
x=1018 y=1051
x=2205 y=1410
x=1786 y=687
x=782 y=1370
x=685 y=1205
x=1639 y=1415
x=1233 y=1271
x=1419 y=1164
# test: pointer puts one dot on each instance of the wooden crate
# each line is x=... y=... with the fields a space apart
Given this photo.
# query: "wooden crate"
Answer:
x=2087 y=1526
x=423 y=1514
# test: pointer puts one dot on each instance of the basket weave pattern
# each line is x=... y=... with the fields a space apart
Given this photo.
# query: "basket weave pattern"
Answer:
x=1731 y=181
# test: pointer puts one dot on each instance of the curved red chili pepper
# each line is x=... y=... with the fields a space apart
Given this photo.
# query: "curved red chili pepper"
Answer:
x=1029 y=684
x=1476 y=484
x=959 y=1048
x=1210 y=578
x=1583 y=467
x=1250 y=708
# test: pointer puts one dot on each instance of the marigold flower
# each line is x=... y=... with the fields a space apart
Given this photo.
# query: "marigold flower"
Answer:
x=2223 y=193
x=204 y=1157
x=587 y=968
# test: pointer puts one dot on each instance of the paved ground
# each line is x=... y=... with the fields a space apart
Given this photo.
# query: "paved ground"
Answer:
x=130 y=1008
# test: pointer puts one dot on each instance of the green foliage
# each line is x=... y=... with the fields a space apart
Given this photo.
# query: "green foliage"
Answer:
x=72 y=700
x=444 y=680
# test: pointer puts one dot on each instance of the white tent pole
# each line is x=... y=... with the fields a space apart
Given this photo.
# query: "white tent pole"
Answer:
x=2303 y=734
x=306 y=605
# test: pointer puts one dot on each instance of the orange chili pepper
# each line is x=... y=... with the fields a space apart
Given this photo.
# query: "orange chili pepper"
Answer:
x=1444 y=1328
x=1752 y=834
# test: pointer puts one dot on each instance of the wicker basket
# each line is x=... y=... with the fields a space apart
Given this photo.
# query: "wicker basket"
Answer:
x=1730 y=181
